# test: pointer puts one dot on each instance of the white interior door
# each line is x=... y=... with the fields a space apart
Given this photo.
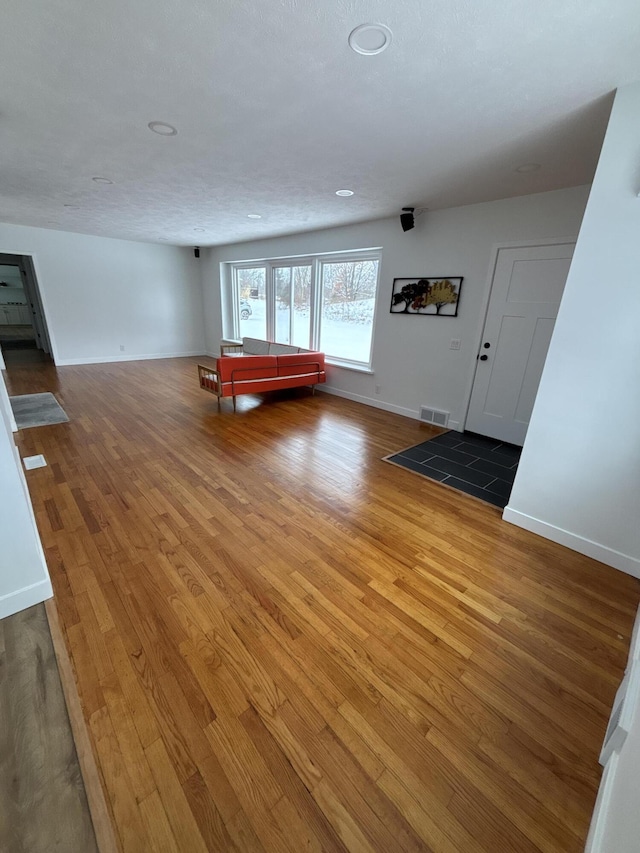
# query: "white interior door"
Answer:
x=525 y=295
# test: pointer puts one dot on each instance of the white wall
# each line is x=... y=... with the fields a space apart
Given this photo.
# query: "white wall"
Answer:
x=578 y=481
x=24 y=579
x=412 y=362
x=615 y=825
x=100 y=293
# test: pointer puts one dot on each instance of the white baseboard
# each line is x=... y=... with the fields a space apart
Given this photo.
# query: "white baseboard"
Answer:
x=597 y=829
x=105 y=359
x=608 y=556
x=369 y=401
x=23 y=598
x=381 y=404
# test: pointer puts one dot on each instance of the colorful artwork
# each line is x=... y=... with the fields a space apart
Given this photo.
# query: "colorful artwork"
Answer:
x=439 y=296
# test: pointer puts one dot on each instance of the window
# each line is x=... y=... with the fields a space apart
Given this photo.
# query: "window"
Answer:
x=293 y=305
x=348 y=302
x=250 y=302
x=325 y=302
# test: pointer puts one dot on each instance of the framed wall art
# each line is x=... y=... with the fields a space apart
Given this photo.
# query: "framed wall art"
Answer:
x=437 y=296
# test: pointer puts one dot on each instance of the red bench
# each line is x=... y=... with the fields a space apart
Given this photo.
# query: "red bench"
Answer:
x=254 y=374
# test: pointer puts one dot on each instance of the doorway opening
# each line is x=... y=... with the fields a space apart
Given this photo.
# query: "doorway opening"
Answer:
x=24 y=336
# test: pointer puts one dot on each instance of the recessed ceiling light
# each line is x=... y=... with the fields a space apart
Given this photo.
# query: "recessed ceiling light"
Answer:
x=528 y=167
x=99 y=180
x=162 y=128
x=344 y=193
x=254 y=216
x=199 y=229
x=370 y=39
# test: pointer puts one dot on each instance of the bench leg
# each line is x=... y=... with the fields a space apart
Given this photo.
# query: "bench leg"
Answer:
x=234 y=402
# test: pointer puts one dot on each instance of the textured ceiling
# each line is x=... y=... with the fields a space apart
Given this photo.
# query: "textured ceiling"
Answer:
x=275 y=112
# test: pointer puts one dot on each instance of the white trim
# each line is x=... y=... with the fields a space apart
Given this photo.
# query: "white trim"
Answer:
x=370 y=401
x=5 y=404
x=358 y=368
x=609 y=556
x=26 y=597
x=598 y=826
x=104 y=359
x=342 y=254
x=43 y=299
x=484 y=310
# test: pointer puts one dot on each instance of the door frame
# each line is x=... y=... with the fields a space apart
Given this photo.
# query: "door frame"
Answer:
x=32 y=291
x=40 y=294
x=495 y=251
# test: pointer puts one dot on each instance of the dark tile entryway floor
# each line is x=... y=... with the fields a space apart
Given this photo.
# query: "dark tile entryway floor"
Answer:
x=478 y=466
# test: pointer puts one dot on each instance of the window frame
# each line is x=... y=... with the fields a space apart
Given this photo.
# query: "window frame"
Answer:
x=235 y=294
x=316 y=295
x=286 y=264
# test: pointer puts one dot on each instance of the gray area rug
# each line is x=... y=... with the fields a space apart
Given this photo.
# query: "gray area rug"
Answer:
x=34 y=410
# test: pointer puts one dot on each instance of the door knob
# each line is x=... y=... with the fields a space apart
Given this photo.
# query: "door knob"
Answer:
x=484 y=357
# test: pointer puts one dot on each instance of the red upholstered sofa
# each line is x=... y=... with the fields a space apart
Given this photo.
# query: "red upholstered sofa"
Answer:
x=242 y=373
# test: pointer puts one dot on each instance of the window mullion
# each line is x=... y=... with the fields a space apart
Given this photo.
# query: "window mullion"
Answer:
x=235 y=305
x=270 y=300
x=290 y=304
x=314 y=337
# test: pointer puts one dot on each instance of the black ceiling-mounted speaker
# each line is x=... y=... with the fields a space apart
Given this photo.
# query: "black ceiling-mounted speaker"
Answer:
x=407 y=219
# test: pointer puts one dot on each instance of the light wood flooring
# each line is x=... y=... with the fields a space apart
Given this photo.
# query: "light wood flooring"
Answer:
x=283 y=643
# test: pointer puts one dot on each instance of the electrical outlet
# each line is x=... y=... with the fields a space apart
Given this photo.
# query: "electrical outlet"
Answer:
x=455 y=343
x=377 y=389
x=121 y=347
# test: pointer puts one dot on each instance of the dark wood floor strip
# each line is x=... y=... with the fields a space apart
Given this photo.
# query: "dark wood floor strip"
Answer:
x=43 y=805
x=101 y=816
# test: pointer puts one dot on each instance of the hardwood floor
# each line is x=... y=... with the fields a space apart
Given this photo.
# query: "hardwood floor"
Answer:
x=283 y=643
x=43 y=806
